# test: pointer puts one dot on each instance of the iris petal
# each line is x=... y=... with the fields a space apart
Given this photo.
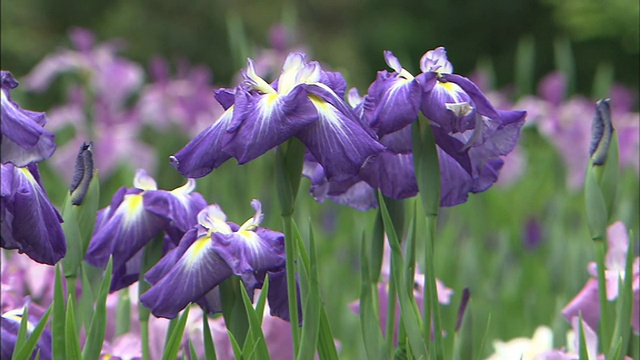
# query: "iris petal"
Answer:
x=265 y=121
x=196 y=273
x=204 y=153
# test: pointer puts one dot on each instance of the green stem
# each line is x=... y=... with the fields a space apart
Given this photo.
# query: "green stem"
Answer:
x=391 y=311
x=605 y=331
x=430 y=295
x=144 y=334
x=292 y=295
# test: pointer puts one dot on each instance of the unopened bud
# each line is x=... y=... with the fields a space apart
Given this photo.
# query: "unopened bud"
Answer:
x=601 y=131
x=82 y=174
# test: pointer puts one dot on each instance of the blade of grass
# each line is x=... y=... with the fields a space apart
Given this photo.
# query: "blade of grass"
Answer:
x=58 y=322
x=209 y=348
x=309 y=340
x=374 y=343
x=72 y=342
x=254 y=327
x=98 y=328
x=173 y=345
x=30 y=343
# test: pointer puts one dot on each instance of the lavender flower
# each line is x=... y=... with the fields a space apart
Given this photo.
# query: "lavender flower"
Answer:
x=587 y=300
x=30 y=223
x=210 y=253
x=133 y=218
x=305 y=102
x=23 y=138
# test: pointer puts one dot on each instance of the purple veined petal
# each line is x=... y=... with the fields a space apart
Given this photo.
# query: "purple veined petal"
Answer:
x=261 y=122
x=30 y=223
x=480 y=102
x=499 y=135
x=167 y=262
x=436 y=61
x=204 y=153
x=338 y=140
x=211 y=303
x=127 y=273
x=129 y=228
x=24 y=140
x=196 y=273
x=393 y=174
x=392 y=103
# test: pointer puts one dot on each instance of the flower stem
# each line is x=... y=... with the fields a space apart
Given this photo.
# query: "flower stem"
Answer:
x=605 y=331
x=292 y=296
x=144 y=337
x=430 y=296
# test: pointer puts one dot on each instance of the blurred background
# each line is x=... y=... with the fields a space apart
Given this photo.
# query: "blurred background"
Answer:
x=349 y=35
x=522 y=247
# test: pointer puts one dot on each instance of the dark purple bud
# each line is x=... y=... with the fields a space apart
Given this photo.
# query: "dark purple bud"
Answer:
x=466 y=294
x=83 y=173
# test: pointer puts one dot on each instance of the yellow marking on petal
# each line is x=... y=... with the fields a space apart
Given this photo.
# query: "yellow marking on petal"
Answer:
x=449 y=86
x=197 y=249
x=132 y=205
x=28 y=175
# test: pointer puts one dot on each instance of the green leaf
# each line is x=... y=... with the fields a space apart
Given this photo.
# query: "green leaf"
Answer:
x=237 y=352
x=408 y=307
x=584 y=354
x=312 y=305
x=289 y=161
x=192 y=351
x=235 y=316
x=326 y=345
x=374 y=343
x=21 y=338
x=596 y=208
x=73 y=258
x=86 y=213
x=209 y=349
x=608 y=181
x=87 y=299
x=58 y=322
x=262 y=299
x=96 y=333
x=254 y=328
x=484 y=338
x=172 y=347
x=622 y=329
x=26 y=348
x=72 y=343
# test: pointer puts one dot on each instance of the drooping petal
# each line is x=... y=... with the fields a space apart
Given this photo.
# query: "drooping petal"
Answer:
x=393 y=174
x=261 y=122
x=277 y=296
x=338 y=140
x=129 y=227
x=23 y=138
x=204 y=153
x=196 y=273
x=585 y=303
x=30 y=223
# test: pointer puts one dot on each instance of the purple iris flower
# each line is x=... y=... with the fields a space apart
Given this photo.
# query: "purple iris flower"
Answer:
x=10 y=325
x=134 y=217
x=23 y=138
x=30 y=223
x=305 y=102
x=471 y=136
x=212 y=252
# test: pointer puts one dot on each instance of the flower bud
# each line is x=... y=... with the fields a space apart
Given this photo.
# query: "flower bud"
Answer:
x=82 y=174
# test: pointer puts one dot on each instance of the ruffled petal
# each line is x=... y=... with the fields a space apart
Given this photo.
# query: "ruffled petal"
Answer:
x=392 y=102
x=30 y=223
x=24 y=140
